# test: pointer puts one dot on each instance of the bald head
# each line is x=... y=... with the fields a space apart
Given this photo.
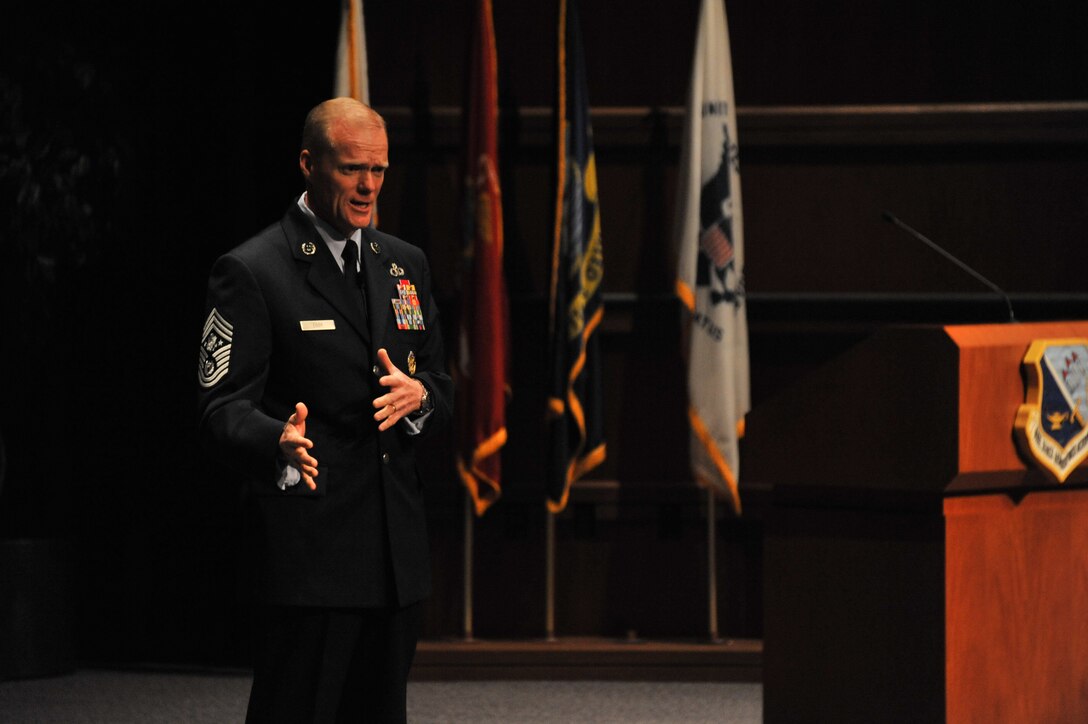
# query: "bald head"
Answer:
x=345 y=152
x=318 y=130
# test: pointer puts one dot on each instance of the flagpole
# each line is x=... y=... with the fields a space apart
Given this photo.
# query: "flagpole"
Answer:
x=549 y=578
x=711 y=565
x=467 y=587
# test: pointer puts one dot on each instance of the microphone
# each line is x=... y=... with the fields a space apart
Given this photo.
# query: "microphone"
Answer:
x=892 y=219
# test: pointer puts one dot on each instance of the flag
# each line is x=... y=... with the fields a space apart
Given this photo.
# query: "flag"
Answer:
x=351 y=75
x=482 y=343
x=710 y=272
x=575 y=420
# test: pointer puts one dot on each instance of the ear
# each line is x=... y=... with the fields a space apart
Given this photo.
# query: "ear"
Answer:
x=306 y=163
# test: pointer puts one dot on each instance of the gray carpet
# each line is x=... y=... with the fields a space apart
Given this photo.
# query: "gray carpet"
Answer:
x=100 y=697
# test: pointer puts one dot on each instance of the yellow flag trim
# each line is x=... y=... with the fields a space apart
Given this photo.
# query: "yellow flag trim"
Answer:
x=687 y=296
x=472 y=476
x=583 y=464
x=704 y=437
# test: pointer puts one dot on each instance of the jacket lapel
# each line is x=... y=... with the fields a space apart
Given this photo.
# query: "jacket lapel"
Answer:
x=324 y=274
x=379 y=285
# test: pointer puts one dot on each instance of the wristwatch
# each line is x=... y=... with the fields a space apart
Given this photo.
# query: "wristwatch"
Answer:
x=425 y=404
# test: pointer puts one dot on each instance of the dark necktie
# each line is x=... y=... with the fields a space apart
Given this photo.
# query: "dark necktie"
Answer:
x=350 y=255
x=354 y=280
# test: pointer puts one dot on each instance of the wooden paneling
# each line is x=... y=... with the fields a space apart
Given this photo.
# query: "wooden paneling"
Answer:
x=1016 y=593
x=581 y=658
x=998 y=185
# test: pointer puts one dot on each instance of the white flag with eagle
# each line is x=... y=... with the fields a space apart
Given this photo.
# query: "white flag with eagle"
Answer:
x=710 y=269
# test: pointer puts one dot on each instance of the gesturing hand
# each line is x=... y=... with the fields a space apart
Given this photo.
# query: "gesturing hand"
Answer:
x=295 y=445
x=403 y=395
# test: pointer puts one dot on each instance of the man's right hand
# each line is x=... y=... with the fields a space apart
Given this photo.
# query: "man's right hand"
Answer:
x=294 y=446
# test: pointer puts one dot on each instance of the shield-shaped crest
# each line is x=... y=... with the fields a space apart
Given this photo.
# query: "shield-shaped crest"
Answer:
x=1052 y=424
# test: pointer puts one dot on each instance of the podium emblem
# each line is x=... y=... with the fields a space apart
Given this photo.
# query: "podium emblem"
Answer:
x=1052 y=424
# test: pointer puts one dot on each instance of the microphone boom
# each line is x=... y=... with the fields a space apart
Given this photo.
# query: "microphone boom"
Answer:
x=892 y=219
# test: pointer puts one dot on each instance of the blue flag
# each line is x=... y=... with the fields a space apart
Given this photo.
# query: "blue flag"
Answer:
x=575 y=415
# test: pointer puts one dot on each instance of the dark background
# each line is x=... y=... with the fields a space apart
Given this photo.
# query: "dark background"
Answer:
x=161 y=135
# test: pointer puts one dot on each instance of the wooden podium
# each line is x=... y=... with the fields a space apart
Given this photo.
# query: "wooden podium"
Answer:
x=917 y=568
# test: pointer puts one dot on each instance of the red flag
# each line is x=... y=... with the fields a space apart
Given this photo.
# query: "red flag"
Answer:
x=482 y=343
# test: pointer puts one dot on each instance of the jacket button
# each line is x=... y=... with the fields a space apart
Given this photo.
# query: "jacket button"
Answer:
x=385 y=458
x=377 y=372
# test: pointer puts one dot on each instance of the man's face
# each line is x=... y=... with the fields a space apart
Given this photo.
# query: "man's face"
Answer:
x=342 y=184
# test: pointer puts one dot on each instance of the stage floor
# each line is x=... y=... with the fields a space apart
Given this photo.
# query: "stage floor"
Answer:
x=94 y=696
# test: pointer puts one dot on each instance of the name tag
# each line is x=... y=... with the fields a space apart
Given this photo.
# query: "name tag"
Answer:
x=317 y=325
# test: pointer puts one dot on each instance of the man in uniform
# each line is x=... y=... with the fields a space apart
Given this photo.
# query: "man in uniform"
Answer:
x=321 y=362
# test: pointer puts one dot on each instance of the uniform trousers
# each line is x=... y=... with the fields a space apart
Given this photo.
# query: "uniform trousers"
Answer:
x=331 y=666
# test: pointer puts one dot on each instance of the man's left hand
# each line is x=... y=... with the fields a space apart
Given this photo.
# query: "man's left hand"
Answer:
x=402 y=398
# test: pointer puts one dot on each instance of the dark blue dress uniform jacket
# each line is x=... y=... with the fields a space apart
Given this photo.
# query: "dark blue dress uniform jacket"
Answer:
x=360 y=539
